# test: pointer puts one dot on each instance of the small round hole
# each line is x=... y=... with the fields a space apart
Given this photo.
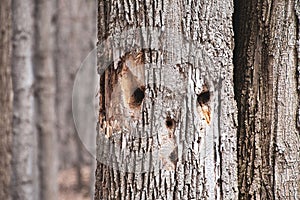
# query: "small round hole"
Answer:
x=169 y=123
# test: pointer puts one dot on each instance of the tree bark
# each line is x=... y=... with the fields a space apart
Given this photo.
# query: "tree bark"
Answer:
x=45 y=99
x=24 y=172
x=5 y=99
x=266 y=65
x=194 y=134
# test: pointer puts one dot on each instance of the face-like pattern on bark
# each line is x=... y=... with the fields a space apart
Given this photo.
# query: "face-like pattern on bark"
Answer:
x=147 y=107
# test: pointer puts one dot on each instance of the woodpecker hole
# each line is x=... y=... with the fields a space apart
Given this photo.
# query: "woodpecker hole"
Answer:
x=138 y=96
x=174 y=156
x=170 y=123
x=203 y=97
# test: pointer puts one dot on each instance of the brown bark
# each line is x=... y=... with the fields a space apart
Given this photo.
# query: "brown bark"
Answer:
x=194 y=134
x=5 y=99
x=266 y=92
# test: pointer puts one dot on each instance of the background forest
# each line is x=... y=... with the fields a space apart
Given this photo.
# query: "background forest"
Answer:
x=42 y=45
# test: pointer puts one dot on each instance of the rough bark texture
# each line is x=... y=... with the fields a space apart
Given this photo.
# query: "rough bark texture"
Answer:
x=266 y=62
x=45 y=99
x=24 y=172
x=5 y=99
x=297 y=10
x=75 y=38
x=192 y=136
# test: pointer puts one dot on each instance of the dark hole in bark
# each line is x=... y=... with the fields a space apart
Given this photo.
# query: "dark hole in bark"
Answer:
x=138 y=96
x=203 y=97
x=199 y=140
x=169 y=123
x=174 y=155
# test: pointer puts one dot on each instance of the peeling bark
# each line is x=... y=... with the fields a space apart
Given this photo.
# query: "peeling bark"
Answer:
x=167 y=119
x=266 y=63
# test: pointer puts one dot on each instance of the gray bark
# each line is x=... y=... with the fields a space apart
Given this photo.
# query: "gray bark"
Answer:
x=5 y=99
x=266 y=66
x=24 y=172
x=195 y=137
x=45 y=99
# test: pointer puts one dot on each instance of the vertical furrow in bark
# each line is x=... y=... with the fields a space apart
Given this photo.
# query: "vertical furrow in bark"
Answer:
x=266 y=93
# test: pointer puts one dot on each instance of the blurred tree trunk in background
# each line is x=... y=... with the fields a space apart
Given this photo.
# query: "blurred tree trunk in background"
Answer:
x=135 y=99
x=75 y=38
x=5 y=99
x=24 y=149
x=50 y=39
x=44 y=75
x=266 y=70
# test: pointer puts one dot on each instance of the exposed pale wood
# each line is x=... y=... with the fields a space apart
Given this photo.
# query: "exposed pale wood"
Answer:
x=155 y=110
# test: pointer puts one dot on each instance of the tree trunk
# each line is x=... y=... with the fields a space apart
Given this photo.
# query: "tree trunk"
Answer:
x=24 y=152
x=5 y=99
x=266 y=66
x=45 y=99
x=167 y=111
x=75 y=38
